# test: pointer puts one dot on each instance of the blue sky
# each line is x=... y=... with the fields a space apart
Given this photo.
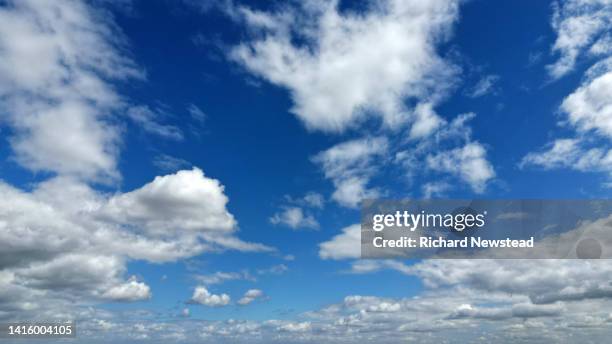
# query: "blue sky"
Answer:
x=195 y=168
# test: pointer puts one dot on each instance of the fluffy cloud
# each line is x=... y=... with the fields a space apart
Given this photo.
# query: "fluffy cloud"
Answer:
x=468 y=163
x=132 y=290
x=250 y=296
x=55 y=60
x=570 y=153
x=346 y=245
x=323 y=56
x=434 y=189
x=294 y=218
x=202 y=296
x=44 y=236
x=351 y=65
x=350 y=165
x=184 y=201
x=589 y=108
x=581 y=25
x=63 y=243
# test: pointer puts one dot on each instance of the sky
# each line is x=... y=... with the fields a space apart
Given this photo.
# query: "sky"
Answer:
x=191 y=171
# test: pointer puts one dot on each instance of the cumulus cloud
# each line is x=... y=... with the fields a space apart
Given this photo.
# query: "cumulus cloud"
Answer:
x=314 y=199
x=434 y=189
x=132 y=290
x=589 y=108
x=323 y=56
x=184 y=201
x=64 y=243
x=468 y=163
x=294 y=218
x=350 y=165
x=202 y=296
x=250 y=296
x=44 y=236
x=334 y=77
x=54 y=90
x=346 y=245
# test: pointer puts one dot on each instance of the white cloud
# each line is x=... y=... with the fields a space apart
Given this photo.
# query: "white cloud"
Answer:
x=426 y=121
x=184 y=201
x=314 y=199
x=64 y=244
x=350 y=165
x=589 y=108
x=55 y=60
x=346 y=245
x=250 y=296
x=295 y=326
x=578 y=23
x=582 y=25
x=351 y=65
x=571 y=153
x=434 y=189
x=468 y=162
x=294 y=218
x=43 y=236
x=132 y=290
x=202 y=296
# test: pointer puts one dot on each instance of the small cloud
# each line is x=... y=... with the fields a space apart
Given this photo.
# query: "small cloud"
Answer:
x=147 y=120
x=202 y=296
x=294 y=218
x=169 y=163
x=250 y=296
x=434 y=189
x=485 y=86
x=314 y=199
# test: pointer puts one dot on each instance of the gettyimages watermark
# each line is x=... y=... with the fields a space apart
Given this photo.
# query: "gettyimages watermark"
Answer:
x=480 y=229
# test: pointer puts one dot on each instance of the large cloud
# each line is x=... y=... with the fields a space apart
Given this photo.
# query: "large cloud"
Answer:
x=184 y=201
x=66 y=237
x=55 y=60
x=348 y=65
